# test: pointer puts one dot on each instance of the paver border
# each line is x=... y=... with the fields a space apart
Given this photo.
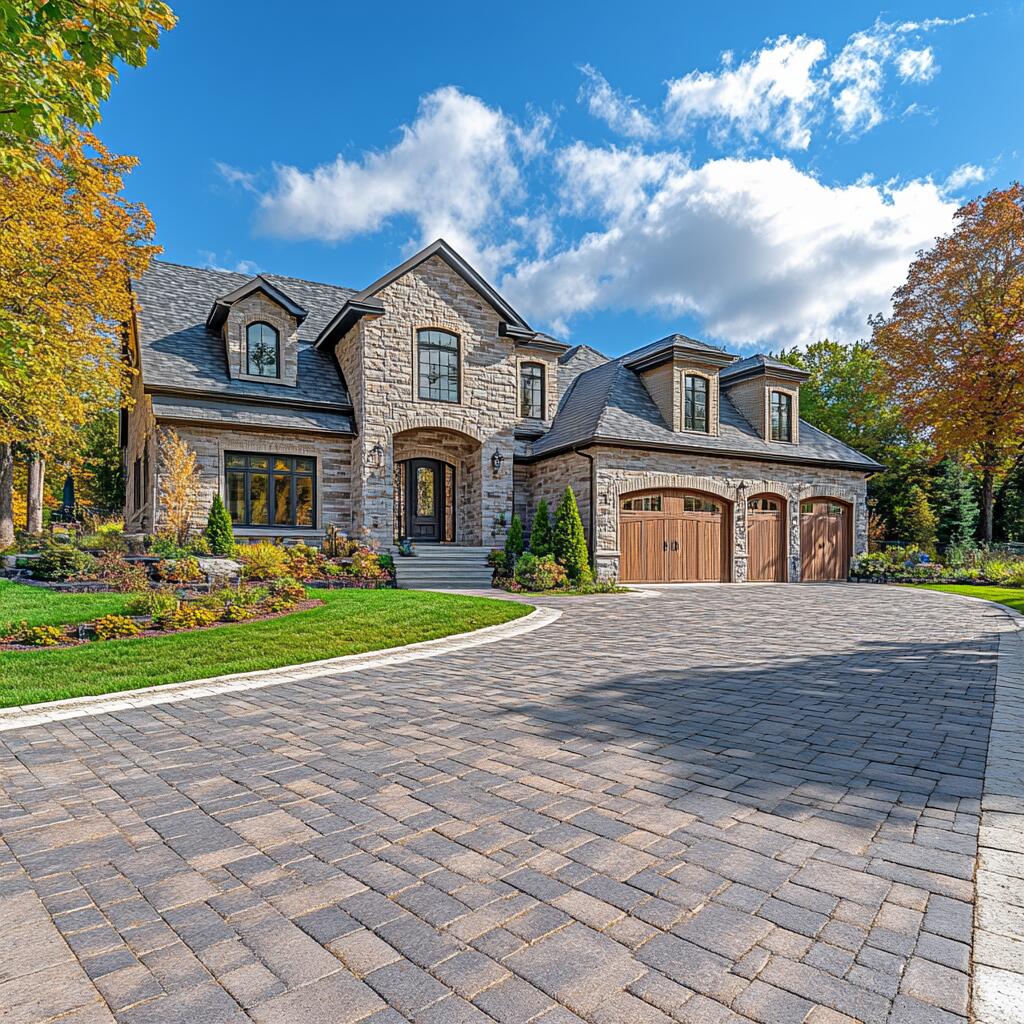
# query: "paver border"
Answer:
x=26 y=715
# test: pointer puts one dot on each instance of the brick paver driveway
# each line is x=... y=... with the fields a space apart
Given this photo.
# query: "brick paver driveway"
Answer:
x=711 y=804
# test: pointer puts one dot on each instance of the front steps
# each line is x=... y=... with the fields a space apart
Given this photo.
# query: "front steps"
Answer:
x=444 y=567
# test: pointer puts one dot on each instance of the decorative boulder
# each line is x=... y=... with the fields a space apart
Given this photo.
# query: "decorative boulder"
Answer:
x=221 y=572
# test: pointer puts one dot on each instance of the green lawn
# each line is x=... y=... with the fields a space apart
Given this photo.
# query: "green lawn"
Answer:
x=1012 y=597
x=349 y=622
x=41 y=607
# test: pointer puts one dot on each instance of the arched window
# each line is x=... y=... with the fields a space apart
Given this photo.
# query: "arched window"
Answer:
x=438 y=365
x=695 y=404
x=262 y=350
x=531 y=391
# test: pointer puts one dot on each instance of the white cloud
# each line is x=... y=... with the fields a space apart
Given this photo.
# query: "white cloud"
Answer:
x=964 y=175
x=452 y=171
x=773 y=93
x=758 y=250
x=234 y=176
x=211 y=260
x=917 y=65
x=621 y=113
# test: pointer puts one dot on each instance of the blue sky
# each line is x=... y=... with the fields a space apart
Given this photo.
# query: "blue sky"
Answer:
x=753 y=174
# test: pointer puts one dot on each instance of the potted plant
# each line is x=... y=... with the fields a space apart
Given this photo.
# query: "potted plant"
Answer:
x=406 y=548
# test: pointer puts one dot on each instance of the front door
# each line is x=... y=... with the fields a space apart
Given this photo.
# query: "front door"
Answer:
x=424 y=500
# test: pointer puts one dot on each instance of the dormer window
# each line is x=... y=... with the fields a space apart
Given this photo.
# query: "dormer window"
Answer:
x=262 y=350
x=438 y=365
x=781 y=416
x=531 y=391
x=695 y=404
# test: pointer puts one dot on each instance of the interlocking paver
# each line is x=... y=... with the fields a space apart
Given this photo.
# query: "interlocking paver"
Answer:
x=697 y=806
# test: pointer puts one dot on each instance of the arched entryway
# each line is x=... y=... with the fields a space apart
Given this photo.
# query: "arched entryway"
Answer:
x=674 y=536
x=825 y=538
x=766 y=538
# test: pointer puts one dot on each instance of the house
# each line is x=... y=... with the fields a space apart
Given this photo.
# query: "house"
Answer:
x=425 y=406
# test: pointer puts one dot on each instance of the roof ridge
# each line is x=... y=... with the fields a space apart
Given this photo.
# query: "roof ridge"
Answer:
x=249 y=277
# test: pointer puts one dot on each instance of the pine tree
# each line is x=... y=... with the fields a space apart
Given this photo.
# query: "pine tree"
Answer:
x=955 y=503
x=917 y=520
x=568 y=539
x=513 y=544
x=219 y=534
x=540 y=532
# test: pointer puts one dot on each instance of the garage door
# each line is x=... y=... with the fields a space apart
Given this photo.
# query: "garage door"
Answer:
x=766 y=539
x=824 y=539
x=673 y=537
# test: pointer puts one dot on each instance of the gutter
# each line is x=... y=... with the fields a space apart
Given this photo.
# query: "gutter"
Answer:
x=592 y=532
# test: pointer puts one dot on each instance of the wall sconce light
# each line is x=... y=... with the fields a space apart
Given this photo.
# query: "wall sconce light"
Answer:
x=375 y=457
x=742 y=488
x=497 y=459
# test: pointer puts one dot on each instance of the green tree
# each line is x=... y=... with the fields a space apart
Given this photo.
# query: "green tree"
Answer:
x=101 y=474
x=514 y=543
x=219 y=534
x=915 y=521
x=568 y=539
x=955 y=502
x=57 y=63
x=540 y=532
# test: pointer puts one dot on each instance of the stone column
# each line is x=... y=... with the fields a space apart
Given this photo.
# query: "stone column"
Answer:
x=739 y=533
x=795 y=556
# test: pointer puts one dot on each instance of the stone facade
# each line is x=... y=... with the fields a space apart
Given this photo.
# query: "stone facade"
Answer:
x=751 y=398
x=252 y=309
x=141 y=452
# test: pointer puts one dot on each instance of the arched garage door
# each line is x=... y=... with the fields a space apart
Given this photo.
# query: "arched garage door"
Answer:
x=825 y=543
x=673 y=537
x=766 y=538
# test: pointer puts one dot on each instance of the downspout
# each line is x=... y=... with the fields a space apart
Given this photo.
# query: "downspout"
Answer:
x=592 y=532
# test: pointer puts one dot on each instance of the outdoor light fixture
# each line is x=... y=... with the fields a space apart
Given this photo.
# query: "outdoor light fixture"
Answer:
x=376 y=456
x=496 y=461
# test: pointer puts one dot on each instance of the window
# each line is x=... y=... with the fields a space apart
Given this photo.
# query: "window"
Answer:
x=782 y=416
x=262 y=350
x=695 y=412
x=137 y=481
x=438 y=362
x=691 y=503
x=650 y=503
x=270 y=490
x=763 y=505
x=531 y=391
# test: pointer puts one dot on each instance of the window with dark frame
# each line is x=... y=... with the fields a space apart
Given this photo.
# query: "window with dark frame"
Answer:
x=262 y=350
x=137 y=481
x=531 y=391
x=695 y=411
x=781 y=416
x=438 y=365
x=270 y=490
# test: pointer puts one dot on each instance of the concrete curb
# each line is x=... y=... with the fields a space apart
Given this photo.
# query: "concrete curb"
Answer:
x=79 y=707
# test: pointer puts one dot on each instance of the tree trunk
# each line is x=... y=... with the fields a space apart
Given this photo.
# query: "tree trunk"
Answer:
x=987 y=502
x=36 y=475
x=6 y=496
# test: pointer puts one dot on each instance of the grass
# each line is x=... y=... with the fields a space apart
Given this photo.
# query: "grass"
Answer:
x=41 y=607
x=349 y=622
x=1012 y=597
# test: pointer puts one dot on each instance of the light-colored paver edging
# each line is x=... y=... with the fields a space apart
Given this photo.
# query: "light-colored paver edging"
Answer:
x=78 y=707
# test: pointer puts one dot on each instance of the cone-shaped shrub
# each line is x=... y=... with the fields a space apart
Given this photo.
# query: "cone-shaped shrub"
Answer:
x=568 y=539
x=219 y=534
x=540 y=532
x=513 y=544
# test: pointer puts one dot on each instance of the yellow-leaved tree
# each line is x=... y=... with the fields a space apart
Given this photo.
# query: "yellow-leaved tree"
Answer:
x=179 y=485
x=69 y=243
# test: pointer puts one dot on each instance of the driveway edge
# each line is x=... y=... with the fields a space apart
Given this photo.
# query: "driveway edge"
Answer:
x=124 y=700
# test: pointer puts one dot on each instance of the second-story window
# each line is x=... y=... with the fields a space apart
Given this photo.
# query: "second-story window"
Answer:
x=438 y=365
x=781 y=416
x=531 y=391
x=695 y=404
x=262 y=350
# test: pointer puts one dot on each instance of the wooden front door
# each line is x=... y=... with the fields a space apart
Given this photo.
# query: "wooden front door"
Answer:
x=824 y=539
x=673 y=537
x=766 y=539
x=424 y=500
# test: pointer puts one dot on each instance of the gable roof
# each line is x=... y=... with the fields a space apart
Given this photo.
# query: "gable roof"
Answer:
x=675 y=344
x=179 y=351
x=366 y=302
x=223 y=303
x=757 y=364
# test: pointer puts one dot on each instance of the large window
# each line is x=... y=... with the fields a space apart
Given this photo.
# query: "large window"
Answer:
x=695 y=403
x=270 y=490
x=782 y=416
x=531 y=391
x=438 y=362
x=262 y=350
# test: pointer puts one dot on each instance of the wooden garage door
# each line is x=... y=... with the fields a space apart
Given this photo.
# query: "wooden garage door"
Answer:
x=673 y=537
x=766 y=539
x=824 y=539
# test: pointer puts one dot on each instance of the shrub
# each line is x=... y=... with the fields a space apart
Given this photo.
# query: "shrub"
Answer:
x=39 y=636
x=113 y=569
x=198 y=546
x=514 y=541
x=107 y=541
x=237 y=613
x=276 y=605
x=219 y=534
x=262 y=561
x=188 y=616
x=113 y=627
x=304 y=562
x=497 y=561
x=288 y=589
x=179 y=484
x=568 y=540
x=366 y=565
x=153 y=603
x=179 y=570
x=386 y=561
x=166 y=547
x=540 y=532
x=533 y=573
x=61 y=562
x=337 y=545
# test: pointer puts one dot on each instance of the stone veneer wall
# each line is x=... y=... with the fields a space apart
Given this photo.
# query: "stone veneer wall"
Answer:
x=548 y=480
x=142 y=439
x=333 y=470
x=751 y=398
x=378 y=361
x=249 y=310
x=620 y=471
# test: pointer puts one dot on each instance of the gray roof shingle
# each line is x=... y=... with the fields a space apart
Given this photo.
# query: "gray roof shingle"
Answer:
x=250 y=415
x=177 y=349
